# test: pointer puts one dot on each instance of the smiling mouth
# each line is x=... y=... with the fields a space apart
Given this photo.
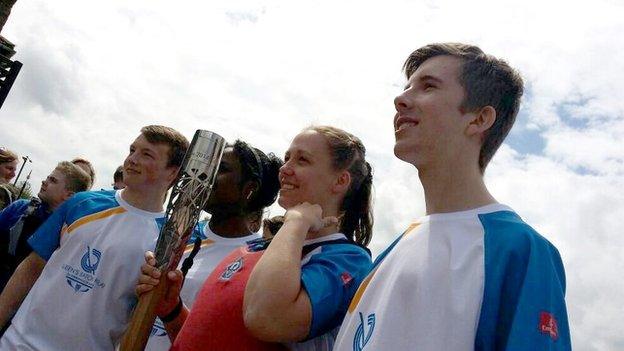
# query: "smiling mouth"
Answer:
x=287 y=187
x=405 y=125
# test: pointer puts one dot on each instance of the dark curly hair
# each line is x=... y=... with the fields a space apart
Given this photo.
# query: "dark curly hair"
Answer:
x=261 y=168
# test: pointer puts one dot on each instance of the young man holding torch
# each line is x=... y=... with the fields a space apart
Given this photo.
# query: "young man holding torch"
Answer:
x=87 y=253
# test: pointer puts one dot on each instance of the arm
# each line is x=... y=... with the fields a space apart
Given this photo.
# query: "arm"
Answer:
x=276 y=307
x=19 y=285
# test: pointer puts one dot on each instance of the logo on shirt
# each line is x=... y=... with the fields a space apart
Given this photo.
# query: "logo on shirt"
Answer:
x=84 y=279
x=88 y=264
x=548 y=325
x=362 y=335
x=158 y=329
x=231 y=269
x=346 y=278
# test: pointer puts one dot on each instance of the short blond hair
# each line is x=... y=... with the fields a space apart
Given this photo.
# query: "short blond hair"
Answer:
x=76 y=179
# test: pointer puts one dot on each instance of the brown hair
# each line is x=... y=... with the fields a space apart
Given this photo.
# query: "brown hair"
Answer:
x=118 y=175
x=487 y=81
x=88 y=168
x=348 y=153
x=7 y=155
x=76 y=179
x=178 y=144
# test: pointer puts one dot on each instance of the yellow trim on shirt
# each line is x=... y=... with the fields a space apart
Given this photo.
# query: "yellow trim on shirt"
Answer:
x=204 y=242
x=360 y=291
x=93 y=217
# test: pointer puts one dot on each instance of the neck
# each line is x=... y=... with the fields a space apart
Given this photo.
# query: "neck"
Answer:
x=151 y=201
x=229 y=227
x=454 y=188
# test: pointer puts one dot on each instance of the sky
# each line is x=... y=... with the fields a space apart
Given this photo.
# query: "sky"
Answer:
x=95 y=72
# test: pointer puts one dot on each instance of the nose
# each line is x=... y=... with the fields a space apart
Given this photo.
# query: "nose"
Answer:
x=402 y=102
x=286 y=169
x=131 y=159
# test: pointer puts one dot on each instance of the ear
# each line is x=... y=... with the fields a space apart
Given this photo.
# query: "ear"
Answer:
x=482 y=120
x=342 y=183
x=173 y=174
x=67 y=195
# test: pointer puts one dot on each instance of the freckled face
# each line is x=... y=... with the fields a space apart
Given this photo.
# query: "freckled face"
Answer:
x=146 y=164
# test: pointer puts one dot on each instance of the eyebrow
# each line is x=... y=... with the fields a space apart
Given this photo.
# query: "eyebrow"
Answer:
x=430 y=77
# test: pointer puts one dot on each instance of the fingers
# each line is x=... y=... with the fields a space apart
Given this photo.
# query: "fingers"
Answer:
x=150 y=258
x=175 y=285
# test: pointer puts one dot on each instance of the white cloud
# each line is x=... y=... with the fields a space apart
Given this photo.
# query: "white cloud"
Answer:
x=94 y=73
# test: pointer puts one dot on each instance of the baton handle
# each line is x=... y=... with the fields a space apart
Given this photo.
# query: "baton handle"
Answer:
x=143 y=317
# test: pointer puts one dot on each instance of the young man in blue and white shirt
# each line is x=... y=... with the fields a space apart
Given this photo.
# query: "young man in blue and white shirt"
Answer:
x=470 y=275
x=86 y=256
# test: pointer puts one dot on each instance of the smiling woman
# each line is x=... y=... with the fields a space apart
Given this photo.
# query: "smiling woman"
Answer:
x=295 y=291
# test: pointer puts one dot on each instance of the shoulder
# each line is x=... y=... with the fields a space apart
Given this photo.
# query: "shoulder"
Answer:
x=17 y=207
x=337 y=255
x=507 y=231
x=89 y=202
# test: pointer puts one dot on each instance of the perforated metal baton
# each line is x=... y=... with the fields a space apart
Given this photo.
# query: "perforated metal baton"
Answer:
x=188 y=197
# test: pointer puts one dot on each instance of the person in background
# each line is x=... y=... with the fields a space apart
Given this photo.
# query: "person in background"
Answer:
x=19 y=220
x=87 y=167
x=8 y=165
x=271 y=226
x=118 y=183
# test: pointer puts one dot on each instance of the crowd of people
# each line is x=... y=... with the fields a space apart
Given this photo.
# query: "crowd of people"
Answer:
x=468 y=275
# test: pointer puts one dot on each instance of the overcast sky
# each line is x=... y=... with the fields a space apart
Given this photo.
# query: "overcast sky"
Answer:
x=95 y=72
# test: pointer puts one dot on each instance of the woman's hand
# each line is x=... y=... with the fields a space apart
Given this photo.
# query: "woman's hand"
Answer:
x=310 y=215
x=150 y=277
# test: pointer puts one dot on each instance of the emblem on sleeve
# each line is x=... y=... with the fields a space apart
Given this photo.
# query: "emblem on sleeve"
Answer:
x=548 y=325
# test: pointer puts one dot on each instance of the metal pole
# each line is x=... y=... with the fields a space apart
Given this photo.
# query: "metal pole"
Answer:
x=21 y=168
x=24 y=185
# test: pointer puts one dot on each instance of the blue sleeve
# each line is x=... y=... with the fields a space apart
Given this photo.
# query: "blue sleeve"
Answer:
x=46 y=238
x=524 y=292
x=11 y=214
x=331 y=278
x=198 y=232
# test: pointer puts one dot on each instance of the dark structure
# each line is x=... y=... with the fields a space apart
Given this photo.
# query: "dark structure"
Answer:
x=8 y=69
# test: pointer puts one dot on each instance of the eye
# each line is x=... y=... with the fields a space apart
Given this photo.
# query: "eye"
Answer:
x=303 y=160
x=429 y=86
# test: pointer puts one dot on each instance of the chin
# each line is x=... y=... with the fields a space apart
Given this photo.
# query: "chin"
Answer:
x=284 y=203
x=405 y=152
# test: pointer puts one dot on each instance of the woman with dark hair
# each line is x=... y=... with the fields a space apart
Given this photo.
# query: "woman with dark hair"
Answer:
x=294 y=292
x=246 y=183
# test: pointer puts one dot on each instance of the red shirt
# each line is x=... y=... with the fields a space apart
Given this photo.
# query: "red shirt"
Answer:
x=216 y=319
